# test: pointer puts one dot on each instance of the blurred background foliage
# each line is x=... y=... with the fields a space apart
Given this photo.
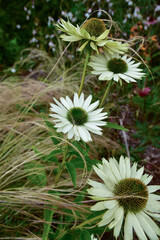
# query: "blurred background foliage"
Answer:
x=31 y=23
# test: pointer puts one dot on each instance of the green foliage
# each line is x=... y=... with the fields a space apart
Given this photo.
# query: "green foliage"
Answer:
x=32 y=23
x=85 y=235
x=147 y=134
x=72 y=172
x=48 y=215
x=116 y=126
x=36 y=173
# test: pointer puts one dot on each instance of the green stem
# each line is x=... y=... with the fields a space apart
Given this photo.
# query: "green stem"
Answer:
x=105 y=94
x=62 y=166
x=84 y=72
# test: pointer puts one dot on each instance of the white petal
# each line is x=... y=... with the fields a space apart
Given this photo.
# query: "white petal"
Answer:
x=107 y=168
x=106 y=76
x=93 y=106
x=147 y=180
x=76 y=133
x=139 y=173
x=115 y=77
x=153 y=188
x=100 y=173
x=95 y=112
x=99 y=192
x=115 y=171
x=146 y=226
x=83 y=134
x=108 y=216
x=128 y=232
x=98 y=207
x=154 y=196
x=153 y=205
x=126 y=78
x=69 y=102
x=118 y=217
x=59 y=117
x=117 y=228
x=152 y=223
x=154 y=215
x=65 y=103
x=71 y=134
x=92 y=126
x=104 y=205
x=128 y=167
x=87 y=102
x=59 y=104
x=67 y=128
x=76 y=100
x=137 y=227
x=110 y=204
x=81 y=100
x=115 y=162
x=122 y=167
x=133 y=170
x=61 y=124
x=96 y=184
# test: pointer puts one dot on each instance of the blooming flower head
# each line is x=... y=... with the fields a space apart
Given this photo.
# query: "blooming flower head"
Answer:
x=115 y=67
x=93 y=237
x=144 y=92
x=94 y=32
x=126 y=197
x=78 y=118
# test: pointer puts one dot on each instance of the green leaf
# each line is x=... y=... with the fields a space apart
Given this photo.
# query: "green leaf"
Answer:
x=90 y=162
x=78 y=146
x=48 y=215
x=55 y=140
x=115 y=126
x=85 y=235
x=51 y=157
x=72 y=171
x=35 y=150
x=49 y=124
x=156 y=54
x=79 y=162
x=36 y=173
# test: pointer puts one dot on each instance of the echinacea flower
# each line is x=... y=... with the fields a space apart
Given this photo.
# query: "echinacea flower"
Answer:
x=127 y=197
x=78 y=118
x=115 y=67
x=93 y=237
x=144 y=92
x=94 y=32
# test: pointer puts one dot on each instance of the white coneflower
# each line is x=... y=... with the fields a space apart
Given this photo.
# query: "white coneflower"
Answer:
x=115 y=67
x=78 y=118
x=93 y=237
x=127 y=197
x=94 y=32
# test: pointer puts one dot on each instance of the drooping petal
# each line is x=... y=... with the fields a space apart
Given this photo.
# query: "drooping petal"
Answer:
x=146 y=227
x=128 y=232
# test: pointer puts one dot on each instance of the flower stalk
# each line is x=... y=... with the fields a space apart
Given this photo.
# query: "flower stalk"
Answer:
x=62 y=165
x=106 y=92
x=84 y=72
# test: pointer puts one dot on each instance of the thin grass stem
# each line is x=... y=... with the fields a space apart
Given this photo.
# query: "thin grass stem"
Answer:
x=88 y=221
